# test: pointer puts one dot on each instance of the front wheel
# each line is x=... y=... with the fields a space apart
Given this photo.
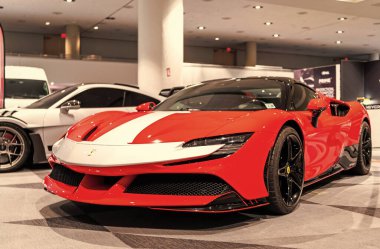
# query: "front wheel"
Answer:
x=285 y=172
x=15 y=147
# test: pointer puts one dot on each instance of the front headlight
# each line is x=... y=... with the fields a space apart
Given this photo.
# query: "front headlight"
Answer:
x=231 y=143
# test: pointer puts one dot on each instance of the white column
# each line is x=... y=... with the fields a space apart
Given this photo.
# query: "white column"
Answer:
x=72 y=42
x=160 y=44
x=374 y=57
x=251 y=54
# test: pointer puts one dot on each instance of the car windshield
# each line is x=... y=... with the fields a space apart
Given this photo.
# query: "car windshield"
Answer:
x=25 y=89
x=51 y=99
x=228 y=95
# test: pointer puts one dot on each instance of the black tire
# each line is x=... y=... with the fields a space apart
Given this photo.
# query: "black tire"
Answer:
x=15 y=147
x=285 y=172
x=363 y=164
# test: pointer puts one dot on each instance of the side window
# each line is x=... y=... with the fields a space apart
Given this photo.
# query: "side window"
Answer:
x=100 y=97
x=135 y=99
x=301 y=97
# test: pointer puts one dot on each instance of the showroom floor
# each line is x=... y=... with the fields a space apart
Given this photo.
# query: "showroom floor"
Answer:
x=340 y=213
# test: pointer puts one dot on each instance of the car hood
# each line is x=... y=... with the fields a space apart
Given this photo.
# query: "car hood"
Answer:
x=120 y=128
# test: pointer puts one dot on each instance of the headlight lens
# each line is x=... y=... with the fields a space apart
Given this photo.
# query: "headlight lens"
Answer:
x=231 y=143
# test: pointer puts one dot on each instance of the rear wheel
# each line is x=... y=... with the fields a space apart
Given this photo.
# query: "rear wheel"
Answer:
x=363 y=165
x=285 y=172
x=15 y=147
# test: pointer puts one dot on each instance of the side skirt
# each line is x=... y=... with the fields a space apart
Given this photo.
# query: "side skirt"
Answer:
x=346 y=161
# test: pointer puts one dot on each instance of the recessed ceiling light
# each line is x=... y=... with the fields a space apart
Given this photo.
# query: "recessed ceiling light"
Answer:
x=217 y=38
x=96 y=27
x=69 y=1
x=340 y=32
x=276 y=35
x=110 y=18
x=342 y=18
x=201 y=27
x=338 y=42
x=47 y=23
x=258 y=7
x=268 y=23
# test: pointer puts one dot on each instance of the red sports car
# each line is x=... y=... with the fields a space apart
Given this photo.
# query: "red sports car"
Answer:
x=221 y=146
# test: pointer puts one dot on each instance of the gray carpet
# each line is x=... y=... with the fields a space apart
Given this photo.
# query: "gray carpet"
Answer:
x=342 y=212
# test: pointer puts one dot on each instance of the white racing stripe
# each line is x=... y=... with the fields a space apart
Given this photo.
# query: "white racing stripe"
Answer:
x=95 y=155
x=127 y=132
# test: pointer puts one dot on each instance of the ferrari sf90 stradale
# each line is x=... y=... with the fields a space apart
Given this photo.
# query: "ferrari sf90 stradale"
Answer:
x=221 y=146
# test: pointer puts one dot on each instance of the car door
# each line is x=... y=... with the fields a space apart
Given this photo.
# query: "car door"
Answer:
x=92 y=101
x=324 y=143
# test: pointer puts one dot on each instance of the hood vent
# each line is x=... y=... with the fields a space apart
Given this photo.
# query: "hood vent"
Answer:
x=89 y=133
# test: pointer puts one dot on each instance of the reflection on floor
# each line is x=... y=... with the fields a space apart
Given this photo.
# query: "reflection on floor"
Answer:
x=343 y=212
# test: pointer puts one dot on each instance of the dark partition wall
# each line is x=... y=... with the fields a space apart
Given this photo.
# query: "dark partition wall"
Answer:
x=352 y=75
x=372 y=81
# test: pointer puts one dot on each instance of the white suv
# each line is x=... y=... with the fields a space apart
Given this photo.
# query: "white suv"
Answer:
x=24 y=85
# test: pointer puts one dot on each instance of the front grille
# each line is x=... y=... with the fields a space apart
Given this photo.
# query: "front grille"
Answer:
x=66 y=175
x=178 y=184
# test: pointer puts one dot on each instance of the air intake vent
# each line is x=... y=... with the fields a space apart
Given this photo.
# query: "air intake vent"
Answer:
x=66 y=175
x=89 y=133
x=178 y=184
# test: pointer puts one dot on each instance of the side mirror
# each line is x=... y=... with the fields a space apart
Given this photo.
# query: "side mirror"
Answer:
x=316 y=106
x=146 y=107
x=70 y=105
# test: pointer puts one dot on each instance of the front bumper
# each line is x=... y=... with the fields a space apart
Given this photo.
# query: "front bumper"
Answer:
x=226 y=184
x=182 y=192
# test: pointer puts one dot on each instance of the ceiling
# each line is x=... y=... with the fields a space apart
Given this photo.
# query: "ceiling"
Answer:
x=304 y=26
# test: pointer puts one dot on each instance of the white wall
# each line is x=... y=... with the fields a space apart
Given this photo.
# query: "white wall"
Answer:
x=195 y=73
x=374 y=118
x=293 y=61
x=79 y=71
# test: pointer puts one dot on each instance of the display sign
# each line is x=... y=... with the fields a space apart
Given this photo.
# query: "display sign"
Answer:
x=372 y=107
x=2 y=65
x=322 y=79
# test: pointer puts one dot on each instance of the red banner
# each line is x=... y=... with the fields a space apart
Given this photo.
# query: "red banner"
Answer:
x=2 y=66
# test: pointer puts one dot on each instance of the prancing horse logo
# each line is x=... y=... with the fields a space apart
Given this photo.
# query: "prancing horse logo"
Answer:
x=91 y=152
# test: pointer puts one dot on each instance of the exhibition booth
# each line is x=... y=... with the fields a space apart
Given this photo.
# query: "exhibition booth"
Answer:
x=211 y=151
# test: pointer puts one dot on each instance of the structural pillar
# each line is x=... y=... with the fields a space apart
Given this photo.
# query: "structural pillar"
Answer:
x=374 y=57
x=72 y=42
x=160 y=44
x=251 y=54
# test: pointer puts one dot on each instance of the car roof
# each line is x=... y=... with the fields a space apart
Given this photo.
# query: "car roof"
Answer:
x=103 y=83
x=133 y=88
x=274 y=78
x=282 y=79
